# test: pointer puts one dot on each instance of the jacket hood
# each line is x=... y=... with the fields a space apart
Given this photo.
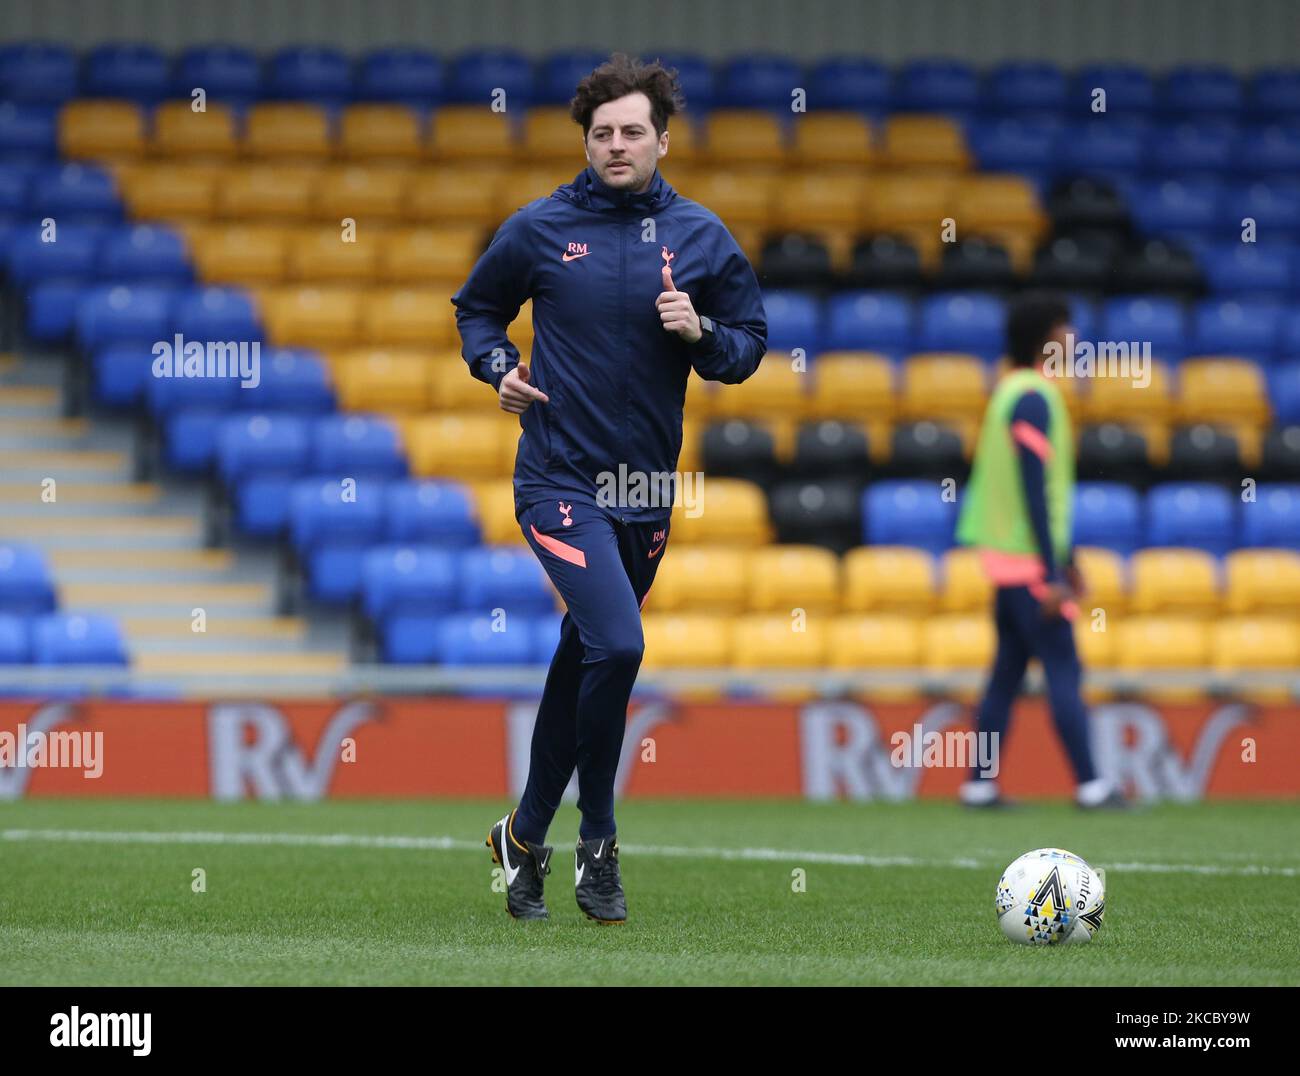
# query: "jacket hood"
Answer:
x=590 y=192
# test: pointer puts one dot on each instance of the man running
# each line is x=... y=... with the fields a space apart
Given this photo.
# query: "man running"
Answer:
x=633 y=287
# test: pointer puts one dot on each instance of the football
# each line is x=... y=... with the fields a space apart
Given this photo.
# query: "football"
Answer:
x=1050 y=897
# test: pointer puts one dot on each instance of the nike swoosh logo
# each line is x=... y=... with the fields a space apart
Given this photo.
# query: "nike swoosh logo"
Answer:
x=511 y=872
x=573 y=257
x=655 y=552
x=600 y=850
x=579 y=869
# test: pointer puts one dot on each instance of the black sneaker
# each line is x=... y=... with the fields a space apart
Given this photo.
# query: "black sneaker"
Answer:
x=525 y=870
x=597 y=882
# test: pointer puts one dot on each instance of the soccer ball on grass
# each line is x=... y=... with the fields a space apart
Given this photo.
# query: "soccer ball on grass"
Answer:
x=1050 y=897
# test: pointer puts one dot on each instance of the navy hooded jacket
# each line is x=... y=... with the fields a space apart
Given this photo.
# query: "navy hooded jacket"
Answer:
x=591 y=259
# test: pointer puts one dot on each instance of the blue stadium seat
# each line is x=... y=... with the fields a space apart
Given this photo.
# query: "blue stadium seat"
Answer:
x=694 y=74
x=74 y=193
x=259 y=458
x=407 y=76
x=560 y=72
x=321 y=76
x=438 y=512
x=1198 y=515
x=26 y=585
x=228 y=74
x=1270 y=152
x=1284 y=393
x=1109 y=515
x=470 y=639
x=15 y=646
x=352 y=444
x=190 y=411
x=869 y=321
x=144 y=254
x=1024 y=145
x=546 y=637
x=477 y=73
x=1201 y=89
x=1272 y=520
x=212 y=313
x=131 y=72
x=849 y=83
x=397 y=579
x=15 y=178
x=506 y=578
x=1109 y=147
x=907 y=512
x=794 y=319
x=1177 y=208
x=962 y=321
x=1289 y=334
x=119 y=313
x=937 y=85
x=52 y=276
x=1191 y=148
x=120 y=372
x=1273 y=205
x=758 y=80
x=77 y=639
x=1146 y=318
x=1021 y=86
x=37 y=73
x=28 y=133
x=1249 y=328
x=1130 y=92
x=1275 y=93
x=331 y=526
x=1259 y=270
x=293 y=379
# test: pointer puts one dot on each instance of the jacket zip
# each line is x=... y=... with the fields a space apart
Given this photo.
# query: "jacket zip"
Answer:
x=622 y=307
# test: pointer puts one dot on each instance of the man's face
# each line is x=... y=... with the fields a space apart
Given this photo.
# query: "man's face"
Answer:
x=622 y=147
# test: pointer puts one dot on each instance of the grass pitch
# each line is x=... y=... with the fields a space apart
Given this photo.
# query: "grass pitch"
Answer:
x=102 y=893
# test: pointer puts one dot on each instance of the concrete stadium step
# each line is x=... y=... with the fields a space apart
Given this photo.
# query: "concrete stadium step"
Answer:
x=89 y=465
x=233 y=664
x=30 y=401
x=91 y=565
x=101 y=532
x=117 y=597
x=162 y=630
x=54 y=434
x=72 y=497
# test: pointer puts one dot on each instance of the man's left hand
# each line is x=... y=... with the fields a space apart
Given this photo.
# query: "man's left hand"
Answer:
x=676 y=312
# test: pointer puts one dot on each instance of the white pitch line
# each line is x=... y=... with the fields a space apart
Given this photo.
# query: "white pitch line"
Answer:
x=455 y=844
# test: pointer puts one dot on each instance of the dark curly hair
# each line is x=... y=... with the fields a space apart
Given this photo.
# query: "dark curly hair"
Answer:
x=620 y=75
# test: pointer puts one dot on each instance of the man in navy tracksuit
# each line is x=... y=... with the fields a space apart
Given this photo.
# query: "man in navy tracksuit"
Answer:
x=633 y=287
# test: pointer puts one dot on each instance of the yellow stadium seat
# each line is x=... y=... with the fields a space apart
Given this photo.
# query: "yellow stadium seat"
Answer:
x=1160 y=642
x=691 y=458
x=1241 y=643
x=380 y=132
x=179 y=131
x=521 y=329
x=1119 y=399
x=941 y=386
x=738 y=196
x=832 y=138
x=931 y=142
x=373 y=379
x=1104 y=580
x=701 y=396
x=494 y=506
x=421 y=317
x=908 y=200
x=101 y=130
x=456 y=446
x=454 y=388
x=852 y=385
x=431 y=255
x=310 y=316
x=996 y=203
x=368 y=195
x=958 y=641
x=1174 y=582
x=457 y=195
x=1221 y=390
x=1262 y=581
x=701 y=579
x=1095 y=642
x=729 y=511
x=470 y=133
x=774 y=389
x=278 y=193
x=875 y=640
x=683 y=145
x=287 y=129
x=240 y=254
x=171 y=192
x=550 y=134
x=787 y=577
x=964 y=585
x=812 y=200
x=677 y=641
x=528 y=182
x=888 y=578
x=744 y=136
x=771 y=641
x=322 y=254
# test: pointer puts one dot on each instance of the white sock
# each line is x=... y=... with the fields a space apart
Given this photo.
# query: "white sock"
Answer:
x=1091 y=793
x=979 y=792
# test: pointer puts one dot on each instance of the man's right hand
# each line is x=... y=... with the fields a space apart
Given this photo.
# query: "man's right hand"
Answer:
x=1053 y=597
x=516 y=394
